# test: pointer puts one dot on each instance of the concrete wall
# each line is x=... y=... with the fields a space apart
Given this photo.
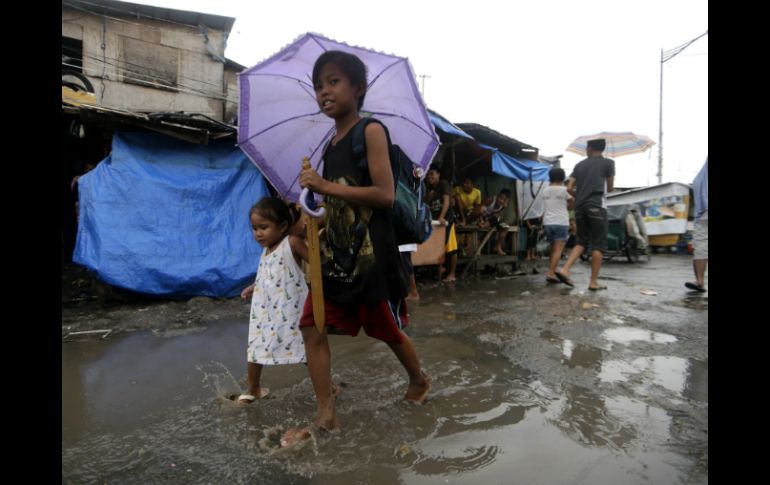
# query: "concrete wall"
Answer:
x=154 y=47
x=231 y=108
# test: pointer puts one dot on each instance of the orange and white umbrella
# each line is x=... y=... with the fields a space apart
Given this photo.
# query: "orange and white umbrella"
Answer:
x=618 y=144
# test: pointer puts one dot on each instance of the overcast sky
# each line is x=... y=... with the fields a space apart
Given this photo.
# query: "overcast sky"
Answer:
x=542 y=72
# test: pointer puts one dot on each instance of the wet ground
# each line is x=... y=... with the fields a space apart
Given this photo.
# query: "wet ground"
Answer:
x=533 y=384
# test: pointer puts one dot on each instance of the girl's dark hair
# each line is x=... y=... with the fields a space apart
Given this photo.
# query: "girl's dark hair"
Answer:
x=275 y=210
x=557 y=175
x=349 y=64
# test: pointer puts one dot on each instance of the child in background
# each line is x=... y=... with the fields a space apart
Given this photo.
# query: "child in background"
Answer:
x=556 y=219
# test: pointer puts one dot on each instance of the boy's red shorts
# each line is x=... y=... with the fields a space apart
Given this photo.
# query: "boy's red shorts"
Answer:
x=381 y=320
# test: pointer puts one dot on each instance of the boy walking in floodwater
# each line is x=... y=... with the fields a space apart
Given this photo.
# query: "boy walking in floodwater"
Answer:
x=363 y=280
x=556 y=219
x=277 y=295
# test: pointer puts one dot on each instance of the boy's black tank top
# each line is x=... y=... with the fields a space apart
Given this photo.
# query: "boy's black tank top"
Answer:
x=360 y=261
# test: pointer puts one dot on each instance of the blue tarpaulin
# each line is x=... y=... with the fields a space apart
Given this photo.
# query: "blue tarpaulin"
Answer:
x=516 y=168
x=446 y=126
x=167 y=218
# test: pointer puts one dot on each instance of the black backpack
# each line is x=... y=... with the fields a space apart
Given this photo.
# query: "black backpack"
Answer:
x=411 y=216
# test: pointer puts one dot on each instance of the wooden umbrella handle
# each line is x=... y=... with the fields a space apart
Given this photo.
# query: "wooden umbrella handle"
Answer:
x=314 y=253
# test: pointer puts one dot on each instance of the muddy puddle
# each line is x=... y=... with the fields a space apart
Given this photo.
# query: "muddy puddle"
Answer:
x=555 y=386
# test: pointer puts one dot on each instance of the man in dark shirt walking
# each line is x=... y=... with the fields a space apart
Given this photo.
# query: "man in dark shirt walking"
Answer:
x=594 y=178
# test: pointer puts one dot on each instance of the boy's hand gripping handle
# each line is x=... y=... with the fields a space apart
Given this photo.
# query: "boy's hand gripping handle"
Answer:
x=307 y=195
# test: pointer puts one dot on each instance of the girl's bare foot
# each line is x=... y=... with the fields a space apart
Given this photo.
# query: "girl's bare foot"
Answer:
x=252 y=395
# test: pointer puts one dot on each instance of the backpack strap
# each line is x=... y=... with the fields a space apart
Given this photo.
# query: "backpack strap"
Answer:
x=359 y=147
x=359 y=139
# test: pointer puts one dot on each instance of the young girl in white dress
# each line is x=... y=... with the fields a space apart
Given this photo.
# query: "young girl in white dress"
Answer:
x=277 y=295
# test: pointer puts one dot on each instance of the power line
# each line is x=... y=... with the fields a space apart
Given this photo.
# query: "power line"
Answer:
x=666 y=56
x=190 y=89
x=146 y=82
x=200 y=27
x=133 y=23
x=671 y=53
x=75 y=51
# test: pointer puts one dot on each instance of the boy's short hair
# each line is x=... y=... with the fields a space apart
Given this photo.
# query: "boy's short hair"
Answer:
x=351 y=65
x=598 y=144
x=506 y=193
x=557 y=175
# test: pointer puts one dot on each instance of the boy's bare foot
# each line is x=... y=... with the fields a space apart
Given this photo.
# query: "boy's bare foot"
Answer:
x=294 y=436
x=450 y=278
x=418 y=390
x=501 y=252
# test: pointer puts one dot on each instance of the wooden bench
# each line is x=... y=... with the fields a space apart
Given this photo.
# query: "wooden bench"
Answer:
x=433 y=251
x=471 y=261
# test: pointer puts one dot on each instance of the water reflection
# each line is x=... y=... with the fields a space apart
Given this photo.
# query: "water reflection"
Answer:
x=626 y=335
x=585 y=418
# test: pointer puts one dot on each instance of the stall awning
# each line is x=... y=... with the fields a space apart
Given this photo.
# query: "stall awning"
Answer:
x=446 y=126
x=517 y=168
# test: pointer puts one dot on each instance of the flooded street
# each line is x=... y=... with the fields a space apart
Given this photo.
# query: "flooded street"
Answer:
x=532 y=384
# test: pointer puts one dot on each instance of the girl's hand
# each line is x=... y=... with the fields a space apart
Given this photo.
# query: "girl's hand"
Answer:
x=247 y=292
x=311 y=179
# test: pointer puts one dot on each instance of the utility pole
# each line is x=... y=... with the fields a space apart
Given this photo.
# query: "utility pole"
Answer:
x=422 y=89
x=667 y=56
x=660 y=125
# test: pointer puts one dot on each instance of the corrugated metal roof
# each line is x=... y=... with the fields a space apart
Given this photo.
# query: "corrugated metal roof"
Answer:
x=617 y=192
x=114 y=8
x=191 y=127
x=234 y=65
x=504 y=143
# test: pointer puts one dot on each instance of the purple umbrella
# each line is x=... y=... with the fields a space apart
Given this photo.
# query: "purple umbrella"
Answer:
x=280 y=122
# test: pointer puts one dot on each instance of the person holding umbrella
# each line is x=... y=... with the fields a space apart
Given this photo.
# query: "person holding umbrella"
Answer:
x=363 y=280
x=594 y=178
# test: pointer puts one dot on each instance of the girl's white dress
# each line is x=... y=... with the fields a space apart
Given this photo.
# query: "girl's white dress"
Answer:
x=276 y=307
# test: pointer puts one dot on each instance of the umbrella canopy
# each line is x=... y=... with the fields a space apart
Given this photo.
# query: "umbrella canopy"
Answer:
x=618 y=144
x=280 y=121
